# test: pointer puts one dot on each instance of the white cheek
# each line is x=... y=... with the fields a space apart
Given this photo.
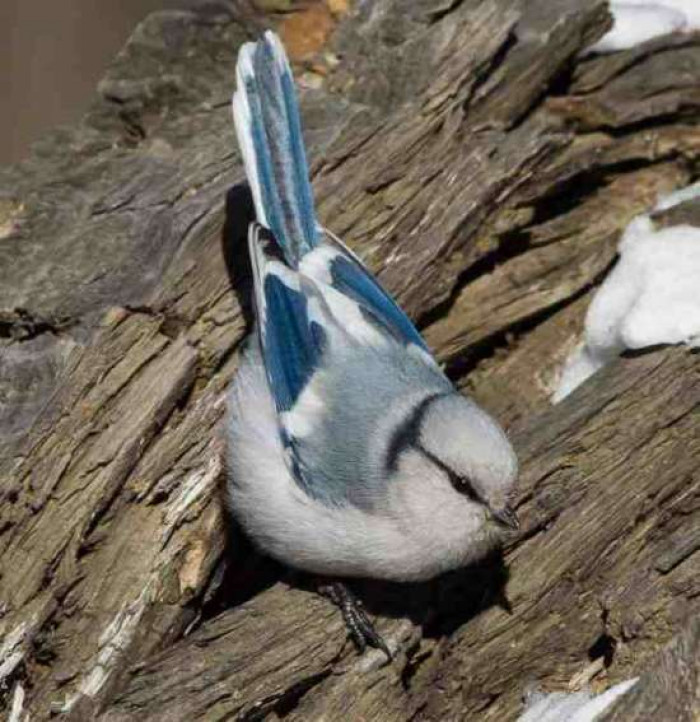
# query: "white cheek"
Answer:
x=447 y=526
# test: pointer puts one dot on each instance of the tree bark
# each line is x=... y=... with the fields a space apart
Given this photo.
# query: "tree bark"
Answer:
x=484 y=168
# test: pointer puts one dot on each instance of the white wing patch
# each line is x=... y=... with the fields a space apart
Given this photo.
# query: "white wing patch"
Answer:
x=340 y=316
x=317 y=264
x=303 y=418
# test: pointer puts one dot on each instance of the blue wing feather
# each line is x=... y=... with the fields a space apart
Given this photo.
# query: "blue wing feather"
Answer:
x=354 y=281
x=350 y=277
x=292 y=343
x=292 y=346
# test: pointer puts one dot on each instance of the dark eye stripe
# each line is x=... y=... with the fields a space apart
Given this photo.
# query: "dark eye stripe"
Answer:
x=462 y=484
x=406 y=433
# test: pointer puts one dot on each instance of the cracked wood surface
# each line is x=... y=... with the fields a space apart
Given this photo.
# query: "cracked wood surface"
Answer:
x=571 y=583
x=485 y=171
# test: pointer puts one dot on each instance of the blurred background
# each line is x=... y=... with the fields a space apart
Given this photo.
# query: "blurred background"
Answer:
x=52 y=55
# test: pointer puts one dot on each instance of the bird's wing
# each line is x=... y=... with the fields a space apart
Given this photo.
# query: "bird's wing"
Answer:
x=298 y=323
x=329 y=305
x=325 y=324
x=335 y=265
x=291 y=342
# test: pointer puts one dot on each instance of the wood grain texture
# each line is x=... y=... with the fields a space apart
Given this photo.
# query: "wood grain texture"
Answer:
x=484 y=168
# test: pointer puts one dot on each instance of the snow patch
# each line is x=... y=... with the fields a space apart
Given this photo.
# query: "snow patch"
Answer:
x=637 y=22
x=572 y=707
x=678 y=196
x=690 y=8
x=580 y=365
x=651 y=297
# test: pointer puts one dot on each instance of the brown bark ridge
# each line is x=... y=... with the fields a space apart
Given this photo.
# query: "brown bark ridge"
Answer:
x=484 y=167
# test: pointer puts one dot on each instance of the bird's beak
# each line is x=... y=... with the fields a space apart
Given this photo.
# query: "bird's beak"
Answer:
x=506 y=516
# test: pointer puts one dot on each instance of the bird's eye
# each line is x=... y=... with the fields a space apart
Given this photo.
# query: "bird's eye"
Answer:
x=460 y=483
x=464 y=486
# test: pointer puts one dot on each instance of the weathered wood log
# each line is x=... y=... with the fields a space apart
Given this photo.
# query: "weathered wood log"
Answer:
x=485 y=171
x=604 y=568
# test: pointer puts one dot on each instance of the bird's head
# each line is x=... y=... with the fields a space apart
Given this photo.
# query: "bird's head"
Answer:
x=472 y=452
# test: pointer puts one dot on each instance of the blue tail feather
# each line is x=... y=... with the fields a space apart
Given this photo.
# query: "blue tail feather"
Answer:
x=269 y=132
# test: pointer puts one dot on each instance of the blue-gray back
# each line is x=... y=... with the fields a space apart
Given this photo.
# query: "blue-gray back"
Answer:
x=359 y=390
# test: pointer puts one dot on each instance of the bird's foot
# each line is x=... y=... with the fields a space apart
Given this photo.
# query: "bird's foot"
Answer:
x=356 y=620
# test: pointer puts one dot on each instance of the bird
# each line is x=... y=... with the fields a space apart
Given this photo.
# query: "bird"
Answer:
x=350 y=453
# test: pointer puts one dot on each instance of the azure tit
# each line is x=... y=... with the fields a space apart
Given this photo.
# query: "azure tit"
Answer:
x=350 y=453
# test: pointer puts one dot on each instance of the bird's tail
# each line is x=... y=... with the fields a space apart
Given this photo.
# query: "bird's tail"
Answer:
x=267 y=122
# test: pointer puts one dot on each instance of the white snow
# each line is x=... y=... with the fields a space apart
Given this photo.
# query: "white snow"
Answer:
x=651 y=297
x=637 y=22
x=572 y=707
x=678 y=196
x=690 y=8
x=580 y=365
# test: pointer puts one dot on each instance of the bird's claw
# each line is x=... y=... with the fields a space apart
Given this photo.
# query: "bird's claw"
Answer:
x=356 y=620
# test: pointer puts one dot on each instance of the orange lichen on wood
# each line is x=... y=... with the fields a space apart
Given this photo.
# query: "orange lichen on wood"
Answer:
x=306 y=31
